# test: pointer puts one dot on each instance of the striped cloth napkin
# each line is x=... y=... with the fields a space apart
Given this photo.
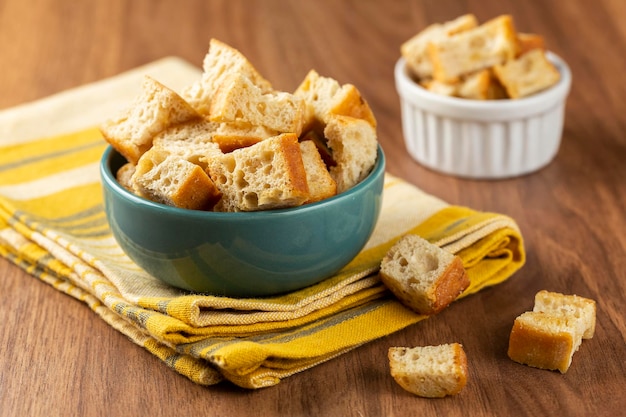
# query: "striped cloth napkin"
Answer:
x=52 y=225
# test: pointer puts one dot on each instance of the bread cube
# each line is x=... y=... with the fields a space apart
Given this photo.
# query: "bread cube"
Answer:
x=528 y=74
x=424 y=277
x=267 y=175
x=544 y=341
x=582 y=309
x=132 y=131
x=430 y=371
x=170 y=179
x=492 y=43
x=415 y=50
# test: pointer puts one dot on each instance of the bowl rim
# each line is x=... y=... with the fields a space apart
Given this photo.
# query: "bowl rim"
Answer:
x=109 y=180
x=484 y=109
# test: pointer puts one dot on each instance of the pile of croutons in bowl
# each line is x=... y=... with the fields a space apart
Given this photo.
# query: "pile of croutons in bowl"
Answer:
x=231 y=142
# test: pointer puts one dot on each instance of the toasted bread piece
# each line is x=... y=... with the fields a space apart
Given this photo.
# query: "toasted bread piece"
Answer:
x=429 y=371
x=124 y=175
x=545 y=341
x=170 y=179
x=424 y=277
x=152 y=111
x=239 y=100
x=220 y=61
x=528 y=74
x=349 y=102
x=267 y=175
x=415 y=50
x=321 y=184
x=582 y=309
x=354 y=147
x=317 y=92
x=475 y=86
x=325 y=97
x=492 y=43
x=441 y=88
x=481 y=85
x=529 y=41
x=192 y=141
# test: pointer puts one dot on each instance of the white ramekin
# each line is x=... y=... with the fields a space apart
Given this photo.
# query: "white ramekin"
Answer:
x=480 y=138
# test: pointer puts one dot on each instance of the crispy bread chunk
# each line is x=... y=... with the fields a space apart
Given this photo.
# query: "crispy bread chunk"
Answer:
x=430 y=371
x=154 y=110
x=424 y=277
x=267 y=175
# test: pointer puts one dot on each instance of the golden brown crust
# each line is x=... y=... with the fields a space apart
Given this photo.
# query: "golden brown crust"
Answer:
x=229 y=143
x=131 y=152
x=529 y=41
x=548 y=336
x=538 y=346
x=424 y=277
x=325 y=98
x=321 y=184
x=198 y=192
x=170 y=179
x=461 y=364
x=354 y=105
x=293 y=156
x=449 y=286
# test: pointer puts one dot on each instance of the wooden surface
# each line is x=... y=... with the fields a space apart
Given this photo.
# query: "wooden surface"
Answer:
x=59 y=358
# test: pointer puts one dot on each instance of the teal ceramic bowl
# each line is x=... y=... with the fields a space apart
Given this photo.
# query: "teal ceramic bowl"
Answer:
x=242 y=254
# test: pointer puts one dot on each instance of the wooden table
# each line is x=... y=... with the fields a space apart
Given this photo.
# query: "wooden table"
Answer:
x=59 y=358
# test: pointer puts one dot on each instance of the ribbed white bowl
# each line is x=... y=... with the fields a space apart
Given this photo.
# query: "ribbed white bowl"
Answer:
x=482 y=139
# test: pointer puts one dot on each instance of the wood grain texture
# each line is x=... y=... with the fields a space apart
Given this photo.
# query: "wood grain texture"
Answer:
x=59 y=358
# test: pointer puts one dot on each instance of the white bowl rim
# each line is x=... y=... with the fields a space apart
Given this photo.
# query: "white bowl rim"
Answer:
x=486 y=110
